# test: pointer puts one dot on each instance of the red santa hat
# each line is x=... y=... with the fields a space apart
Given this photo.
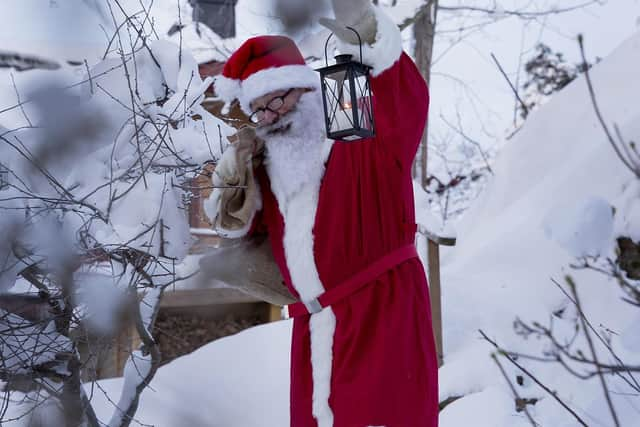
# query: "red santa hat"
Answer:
x=262 y=65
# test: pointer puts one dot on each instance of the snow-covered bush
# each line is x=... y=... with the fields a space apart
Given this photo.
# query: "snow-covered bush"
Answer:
x=94 y=219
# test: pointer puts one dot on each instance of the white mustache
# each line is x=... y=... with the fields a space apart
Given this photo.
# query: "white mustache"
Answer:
x=294 y=147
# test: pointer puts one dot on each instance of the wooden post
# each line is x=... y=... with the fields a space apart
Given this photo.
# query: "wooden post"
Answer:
x=424 y=30
x=433 y=274
x=433 y=259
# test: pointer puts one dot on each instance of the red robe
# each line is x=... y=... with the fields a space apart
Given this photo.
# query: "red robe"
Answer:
x=383 y=369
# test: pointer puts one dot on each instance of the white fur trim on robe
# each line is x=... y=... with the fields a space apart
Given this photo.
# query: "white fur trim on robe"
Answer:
x=322 y=327
x=299 y=213
x=299 y=217
x=385 y=50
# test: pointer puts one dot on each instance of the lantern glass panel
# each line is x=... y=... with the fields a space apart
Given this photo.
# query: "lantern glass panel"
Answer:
x=348 y=102
x=365 y=108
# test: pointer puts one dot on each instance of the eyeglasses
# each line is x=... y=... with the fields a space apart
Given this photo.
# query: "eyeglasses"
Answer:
x=274 y=105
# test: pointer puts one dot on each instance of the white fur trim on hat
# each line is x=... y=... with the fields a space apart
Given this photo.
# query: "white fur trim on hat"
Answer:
x=227 y=90
x=277 y=78
x=386 y=49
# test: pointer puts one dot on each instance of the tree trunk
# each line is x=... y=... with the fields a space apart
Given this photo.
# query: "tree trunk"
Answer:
x=424 y=33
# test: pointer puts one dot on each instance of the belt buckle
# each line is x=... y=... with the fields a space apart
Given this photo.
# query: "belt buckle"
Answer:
x=313 y=306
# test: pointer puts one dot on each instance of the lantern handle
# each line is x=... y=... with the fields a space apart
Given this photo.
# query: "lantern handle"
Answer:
x=326 y=45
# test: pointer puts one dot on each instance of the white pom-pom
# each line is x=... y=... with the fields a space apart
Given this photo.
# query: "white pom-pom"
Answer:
x=226 y=89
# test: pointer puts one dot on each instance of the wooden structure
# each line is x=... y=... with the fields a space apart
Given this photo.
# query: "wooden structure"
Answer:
x=219 y=15
x=434 y=241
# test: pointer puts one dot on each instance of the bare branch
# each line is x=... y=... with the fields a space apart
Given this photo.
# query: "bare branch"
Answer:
x=633 y=168
x=554 y=395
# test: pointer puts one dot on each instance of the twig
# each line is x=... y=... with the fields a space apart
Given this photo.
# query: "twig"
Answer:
x=635 y=171
x=621 y=364
x=81 y=82
x=605 y=389
x=525 y=14
x=15 y=88
x=86 y=66
x=515 y=91
x=131 y=94
x=530 y=375
x=513 y=389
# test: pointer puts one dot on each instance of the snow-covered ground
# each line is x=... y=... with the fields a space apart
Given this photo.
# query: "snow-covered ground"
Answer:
x=542 y=207
x=238 y=381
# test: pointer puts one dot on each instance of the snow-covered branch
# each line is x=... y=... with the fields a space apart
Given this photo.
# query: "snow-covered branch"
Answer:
x=94 y=215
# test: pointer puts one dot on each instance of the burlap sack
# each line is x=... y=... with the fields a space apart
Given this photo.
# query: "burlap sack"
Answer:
x=238 y=196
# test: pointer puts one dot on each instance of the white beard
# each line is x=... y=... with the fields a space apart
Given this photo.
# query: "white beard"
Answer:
x=296 y=148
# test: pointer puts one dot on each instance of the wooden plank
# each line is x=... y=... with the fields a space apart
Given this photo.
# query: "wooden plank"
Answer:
x=275 y=313
x=433 y=259
x=436 y=238
x=200 y=297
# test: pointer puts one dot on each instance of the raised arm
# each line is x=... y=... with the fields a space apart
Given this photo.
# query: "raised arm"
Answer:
x=401 y=97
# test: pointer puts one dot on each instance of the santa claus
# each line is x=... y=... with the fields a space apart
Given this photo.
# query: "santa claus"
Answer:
x=340 y=218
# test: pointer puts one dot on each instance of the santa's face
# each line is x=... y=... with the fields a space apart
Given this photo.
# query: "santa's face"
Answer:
x=268 y=109
x=291 y=113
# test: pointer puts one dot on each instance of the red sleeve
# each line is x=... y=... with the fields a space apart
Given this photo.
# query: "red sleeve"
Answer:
x=401 y=104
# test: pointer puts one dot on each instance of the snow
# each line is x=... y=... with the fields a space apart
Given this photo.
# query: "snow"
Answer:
x=137 y=368
x=487 y=408
x=424 y=217
x=550 y=200
x=583 y=229
x=101 y=298
x=67 y=29
x=241 y=381
x=553 y=190
x=627 y=222
x=149 y=306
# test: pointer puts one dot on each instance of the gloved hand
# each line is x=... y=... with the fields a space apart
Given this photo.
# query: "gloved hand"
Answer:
x=231 y=208
x=357 y=14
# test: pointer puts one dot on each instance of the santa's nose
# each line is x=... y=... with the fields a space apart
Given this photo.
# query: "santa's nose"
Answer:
x=270 y=117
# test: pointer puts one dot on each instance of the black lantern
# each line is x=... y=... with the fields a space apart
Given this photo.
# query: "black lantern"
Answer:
x=346 y=96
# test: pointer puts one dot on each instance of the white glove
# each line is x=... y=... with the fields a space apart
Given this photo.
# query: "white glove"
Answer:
x=232 y=207
x=357 y=14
